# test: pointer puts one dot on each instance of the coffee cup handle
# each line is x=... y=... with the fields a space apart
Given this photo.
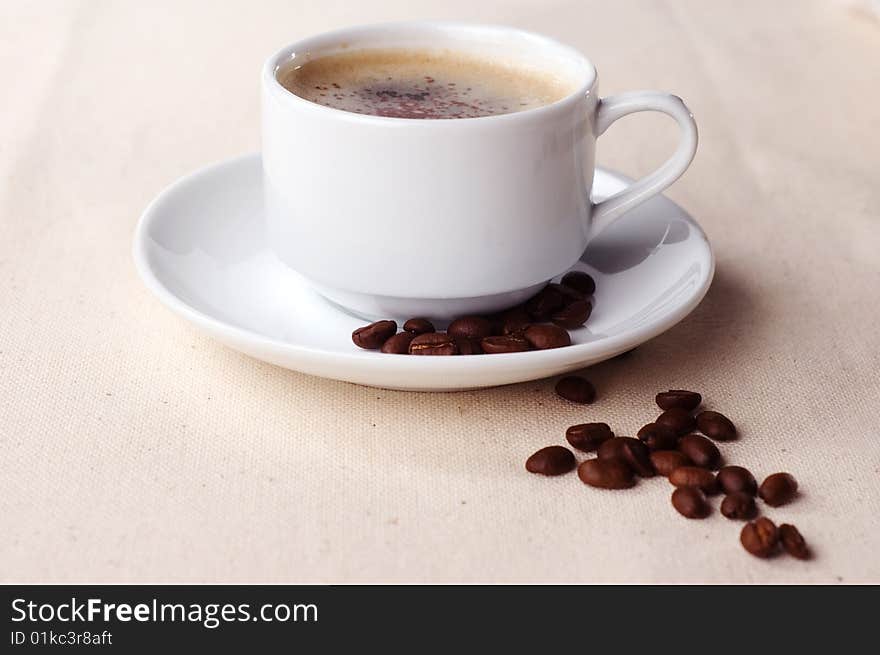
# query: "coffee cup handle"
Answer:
x=614 y=107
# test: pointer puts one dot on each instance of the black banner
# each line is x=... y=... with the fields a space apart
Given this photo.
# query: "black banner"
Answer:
x=135 y=619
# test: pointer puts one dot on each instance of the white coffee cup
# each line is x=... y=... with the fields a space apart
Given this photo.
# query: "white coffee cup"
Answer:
x=397 y=217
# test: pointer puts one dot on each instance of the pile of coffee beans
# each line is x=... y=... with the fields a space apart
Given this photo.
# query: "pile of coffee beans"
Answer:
x=541 y=323
x=680 y=445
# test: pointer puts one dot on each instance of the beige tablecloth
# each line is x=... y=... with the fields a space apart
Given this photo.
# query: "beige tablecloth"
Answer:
x=135 y=449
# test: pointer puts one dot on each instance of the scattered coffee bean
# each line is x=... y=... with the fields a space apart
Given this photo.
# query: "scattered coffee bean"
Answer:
x=468 y=347
x=736 y=478
x=544 y=337
x=690 y=502
x=686 y=400
x=398 y=344
x=511 y=343
x=658 y=437
x=792 y=541
x=606 y=474
x=433 y=343
x=716 y=426
x=579 y=281
x=666 y=461
x=372 y=336
x=631 y=451
x=778 y=489
x=418 y=326
x=470 y=327
x=569 y=295
x=739 y=505
x=573 y=315
x=678 y=419
x=760 y=537
x=588 y=436
x=552 y=460
x=700 y=450
x=576 y=389
x=694 y=476
x=611 y=449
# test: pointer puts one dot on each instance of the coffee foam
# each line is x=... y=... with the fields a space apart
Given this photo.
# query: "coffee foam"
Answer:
x=429 y=84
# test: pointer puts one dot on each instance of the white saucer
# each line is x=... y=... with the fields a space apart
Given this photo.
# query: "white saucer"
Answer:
x=201 y=248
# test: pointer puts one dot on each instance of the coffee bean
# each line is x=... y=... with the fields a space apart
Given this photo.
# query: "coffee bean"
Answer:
x=686 y=400
x=576 y=389
x=511 y=343
x=398 y=344
x=678 y=419
x=637 y=455
x=372 y=336
x=760 y=537
x=470 y=327
x=737 y=478
x=691 y=503
x=418 y=326
x=792 y=541
x=569 y=295
x=544 y=337
x=666 y=461
x=588 y=436
x=606 y=474
x=544 y=303
x=632 y=451
x=513 y=320
x=694 y=476
x=716 y=426
x=739 y=505
x=579 y=281
x=778 y=489
x=700 y=450
x=468 y=347
x=573 y=315
x=433 y=343
x=658 y=437
x=552 y=460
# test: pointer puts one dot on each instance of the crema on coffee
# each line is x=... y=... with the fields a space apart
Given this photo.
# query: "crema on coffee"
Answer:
x=428 y=84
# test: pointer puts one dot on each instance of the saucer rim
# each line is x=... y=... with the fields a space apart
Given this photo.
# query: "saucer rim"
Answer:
x=598 y=350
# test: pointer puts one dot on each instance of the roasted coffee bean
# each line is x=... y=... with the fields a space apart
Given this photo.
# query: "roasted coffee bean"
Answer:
x=418 y=326
x=658 y=437
x=576 y=389
x=512 y=321
x=511 y=343
x=372 y=336
x=792 y=541
x=637 y=455
x=579 y=281
x=716 y=426
x=778 y=489
x=666 y=461
x=632 y=451
x=700 y=450
x=686 y=400
x=470 y=327
x=568 y=294
x=739 y=505
x=588 y=436
x=433 y=343
x=760 y=537
x=573 y=315
x=694 y=476
x=552 y=460
x=544 y=303
x=737 y=478
x=544 y=337
x=606 y=474
x=398 y=344
x=678 y=419
x=468 y=347
x=691 y=503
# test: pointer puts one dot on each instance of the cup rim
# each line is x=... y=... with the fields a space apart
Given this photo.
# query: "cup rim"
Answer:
x=271 y=84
